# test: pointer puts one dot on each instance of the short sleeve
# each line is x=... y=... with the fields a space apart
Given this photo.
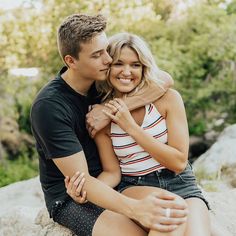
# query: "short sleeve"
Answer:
x=53 y=128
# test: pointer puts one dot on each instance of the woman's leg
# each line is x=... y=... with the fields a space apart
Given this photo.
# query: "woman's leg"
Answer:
x=139 y=192
x=198 y=222
x=113 y=224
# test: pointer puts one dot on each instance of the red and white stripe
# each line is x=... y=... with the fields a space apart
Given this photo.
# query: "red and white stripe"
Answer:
x=134 y=161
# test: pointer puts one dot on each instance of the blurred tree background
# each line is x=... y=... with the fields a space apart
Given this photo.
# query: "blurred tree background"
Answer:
x=195 y=41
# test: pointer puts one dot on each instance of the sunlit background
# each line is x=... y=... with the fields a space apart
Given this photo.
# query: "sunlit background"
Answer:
x=195 y=41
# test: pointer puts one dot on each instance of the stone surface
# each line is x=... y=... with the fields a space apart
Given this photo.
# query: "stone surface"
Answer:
x=220 y=156
x=24 y=212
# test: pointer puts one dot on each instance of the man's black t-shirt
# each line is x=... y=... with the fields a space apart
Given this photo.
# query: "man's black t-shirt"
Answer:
x=58 y=125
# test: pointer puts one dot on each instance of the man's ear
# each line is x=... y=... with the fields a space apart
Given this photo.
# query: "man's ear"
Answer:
x=70 y=61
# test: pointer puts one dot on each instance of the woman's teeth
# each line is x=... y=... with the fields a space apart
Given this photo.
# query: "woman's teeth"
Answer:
x=125 y=81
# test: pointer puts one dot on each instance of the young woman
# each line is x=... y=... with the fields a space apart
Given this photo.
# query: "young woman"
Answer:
x=148 y=147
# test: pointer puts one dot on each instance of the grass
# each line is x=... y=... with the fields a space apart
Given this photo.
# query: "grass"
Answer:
x=17 y=170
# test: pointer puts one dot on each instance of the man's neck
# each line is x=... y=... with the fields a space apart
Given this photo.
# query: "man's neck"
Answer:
x=80 y=85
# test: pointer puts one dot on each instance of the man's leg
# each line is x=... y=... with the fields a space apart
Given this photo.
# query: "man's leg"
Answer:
x=90 y=220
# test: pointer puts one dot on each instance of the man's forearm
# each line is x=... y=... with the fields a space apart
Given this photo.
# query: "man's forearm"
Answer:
x=104 y=196
x=145 y=96
x=150 y=92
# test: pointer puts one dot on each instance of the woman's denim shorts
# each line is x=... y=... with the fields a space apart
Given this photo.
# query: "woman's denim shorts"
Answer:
x=183 y=184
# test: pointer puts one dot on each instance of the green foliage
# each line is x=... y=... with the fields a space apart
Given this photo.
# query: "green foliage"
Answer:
x=199 y=51
x=21 y=169
x=197 y=46
x=231 y=8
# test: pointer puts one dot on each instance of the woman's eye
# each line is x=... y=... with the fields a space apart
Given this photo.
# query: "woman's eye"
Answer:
x=137 y=65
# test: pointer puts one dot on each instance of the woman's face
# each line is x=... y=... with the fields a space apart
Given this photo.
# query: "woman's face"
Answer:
x=126 y=73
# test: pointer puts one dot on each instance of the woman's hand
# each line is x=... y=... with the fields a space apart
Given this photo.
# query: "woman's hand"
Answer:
x=121 y=114
x=74 y=187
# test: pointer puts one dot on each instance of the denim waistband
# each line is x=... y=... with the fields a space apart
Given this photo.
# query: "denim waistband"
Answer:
x=160 y=172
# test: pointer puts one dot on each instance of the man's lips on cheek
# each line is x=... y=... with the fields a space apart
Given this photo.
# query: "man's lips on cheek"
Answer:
x=105 y=69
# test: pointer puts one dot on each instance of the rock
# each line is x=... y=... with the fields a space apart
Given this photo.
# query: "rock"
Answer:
x=24 y=212
x=49 y=227
x=219 y=157
x=224 y=209
x=12 y=140
x=18 y=221
x=197 y=146
x=211 y=136
x=26 y=193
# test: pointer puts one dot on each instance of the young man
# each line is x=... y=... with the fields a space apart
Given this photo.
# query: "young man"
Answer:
x=65 y=147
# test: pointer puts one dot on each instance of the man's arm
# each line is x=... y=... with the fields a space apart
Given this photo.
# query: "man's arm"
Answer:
x=150 y=211
x=150 y=92
x=97 y=120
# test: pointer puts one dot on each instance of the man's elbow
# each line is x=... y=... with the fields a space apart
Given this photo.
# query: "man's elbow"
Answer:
x=167 y=79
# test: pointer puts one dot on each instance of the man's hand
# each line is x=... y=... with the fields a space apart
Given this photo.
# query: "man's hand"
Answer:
x=161 y=211
x=96 y=119
x=74 y=187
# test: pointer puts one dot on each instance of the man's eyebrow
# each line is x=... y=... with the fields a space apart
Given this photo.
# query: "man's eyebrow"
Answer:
x=97 y=51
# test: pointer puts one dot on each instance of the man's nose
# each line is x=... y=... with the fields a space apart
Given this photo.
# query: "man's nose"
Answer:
x=108 y=59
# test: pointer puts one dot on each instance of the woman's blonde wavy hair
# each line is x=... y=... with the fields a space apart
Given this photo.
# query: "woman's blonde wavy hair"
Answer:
x=150 y=71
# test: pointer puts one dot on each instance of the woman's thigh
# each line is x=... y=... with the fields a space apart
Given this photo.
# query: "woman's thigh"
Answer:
x=111 y=223
x=140 y=192
x=198 y=222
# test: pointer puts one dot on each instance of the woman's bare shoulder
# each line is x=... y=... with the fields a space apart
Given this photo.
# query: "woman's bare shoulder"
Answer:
x=170 y=99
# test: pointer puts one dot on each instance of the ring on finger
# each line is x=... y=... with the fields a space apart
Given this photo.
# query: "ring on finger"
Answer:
x=167 y=212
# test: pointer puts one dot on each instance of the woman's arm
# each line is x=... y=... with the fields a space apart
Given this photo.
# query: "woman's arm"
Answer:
x=111 y=174
x=173 y=155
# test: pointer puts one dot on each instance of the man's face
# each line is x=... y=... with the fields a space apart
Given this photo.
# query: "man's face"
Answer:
x=94 y=61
